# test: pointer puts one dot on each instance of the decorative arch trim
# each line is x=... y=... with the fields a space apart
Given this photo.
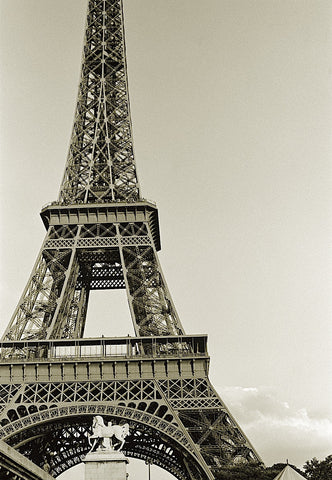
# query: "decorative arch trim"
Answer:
x=126 y=413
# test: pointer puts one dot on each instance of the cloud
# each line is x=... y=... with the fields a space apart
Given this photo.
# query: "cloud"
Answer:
x=277 y=430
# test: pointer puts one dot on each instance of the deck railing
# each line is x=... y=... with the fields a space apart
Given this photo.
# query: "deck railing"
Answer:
x=104 y=347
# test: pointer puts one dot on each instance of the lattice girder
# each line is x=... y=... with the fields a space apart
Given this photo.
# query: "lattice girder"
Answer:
x=208 y=421
x=100 y=166
x=102 y=235
x=39 y=300
x=76 y=259
x=60 y=434
x=158 y=390
x=151 y=302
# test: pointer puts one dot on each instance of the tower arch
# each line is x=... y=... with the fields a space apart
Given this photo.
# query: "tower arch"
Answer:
x=61 y=436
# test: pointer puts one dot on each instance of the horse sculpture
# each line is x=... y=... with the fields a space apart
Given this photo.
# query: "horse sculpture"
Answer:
x=106 y=432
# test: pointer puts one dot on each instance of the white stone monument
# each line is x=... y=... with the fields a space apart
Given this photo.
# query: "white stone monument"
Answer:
x=106 y=463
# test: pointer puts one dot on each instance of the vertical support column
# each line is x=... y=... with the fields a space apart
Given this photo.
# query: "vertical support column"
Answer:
x=151 y=306
x=105 y=465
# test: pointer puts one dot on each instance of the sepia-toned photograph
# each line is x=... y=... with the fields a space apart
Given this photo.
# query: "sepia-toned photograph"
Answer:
x=166 y=239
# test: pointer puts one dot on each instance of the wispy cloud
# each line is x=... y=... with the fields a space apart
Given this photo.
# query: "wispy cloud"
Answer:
x=278 y=430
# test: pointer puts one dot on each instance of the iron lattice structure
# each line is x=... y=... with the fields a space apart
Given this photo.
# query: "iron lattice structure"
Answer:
x=101 y=234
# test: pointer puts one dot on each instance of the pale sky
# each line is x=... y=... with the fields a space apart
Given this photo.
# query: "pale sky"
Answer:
x=232 y=114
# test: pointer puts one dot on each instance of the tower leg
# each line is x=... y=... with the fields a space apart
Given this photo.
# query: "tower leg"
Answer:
x=105 y=465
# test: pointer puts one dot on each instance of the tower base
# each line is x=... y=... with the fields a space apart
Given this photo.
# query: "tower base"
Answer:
x=105 y=465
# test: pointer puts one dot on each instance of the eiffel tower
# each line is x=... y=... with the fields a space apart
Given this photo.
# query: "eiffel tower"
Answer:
x=101 y=235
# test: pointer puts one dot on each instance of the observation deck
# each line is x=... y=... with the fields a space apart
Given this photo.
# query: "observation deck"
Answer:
x=94 y=213
x=104 y=358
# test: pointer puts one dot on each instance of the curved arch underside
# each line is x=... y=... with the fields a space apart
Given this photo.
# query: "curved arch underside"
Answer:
x=50 y=422
x=63 y=443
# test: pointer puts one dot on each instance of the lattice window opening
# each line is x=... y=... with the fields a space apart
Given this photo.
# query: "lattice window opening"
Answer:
x=189 y=388
x=98 y=230
x=59 y=243
x=91 y=256
x=97 y=242
x=149 y=273
x=107 y=285
x=56 y=262
x=105 y=263
x=138 y=240
x=12 y=415
x=7 y=392
x=121 y=178
x=139 y=399
x=62 y=231
x=144 y=256
x=172 y=389
x=101 y=270
x=100 y=177
x=99 y=196
x=133 y=229
x=102 y=279
x=194 y=403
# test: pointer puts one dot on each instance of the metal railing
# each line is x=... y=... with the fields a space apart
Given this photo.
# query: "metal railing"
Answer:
x=104 y=347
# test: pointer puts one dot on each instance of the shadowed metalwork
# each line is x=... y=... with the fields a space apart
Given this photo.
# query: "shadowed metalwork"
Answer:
x=101 y=234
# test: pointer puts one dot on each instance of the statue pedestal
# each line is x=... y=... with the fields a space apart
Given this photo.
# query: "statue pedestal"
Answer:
x=105 y=465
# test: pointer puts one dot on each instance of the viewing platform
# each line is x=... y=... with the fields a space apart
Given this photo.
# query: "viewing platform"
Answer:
x=104 y=358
